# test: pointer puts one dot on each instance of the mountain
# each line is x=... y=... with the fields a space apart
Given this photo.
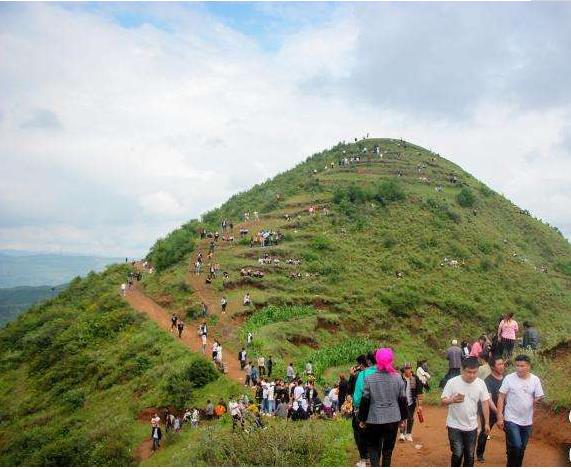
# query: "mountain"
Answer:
x=17 y=299
x=406 y=250
x=22 y=268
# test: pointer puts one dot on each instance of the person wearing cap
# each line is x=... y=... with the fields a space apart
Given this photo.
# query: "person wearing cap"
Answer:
x=454 y=355
x=413 y=390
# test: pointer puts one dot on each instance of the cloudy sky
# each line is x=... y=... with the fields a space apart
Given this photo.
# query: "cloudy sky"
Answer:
x=120 y=121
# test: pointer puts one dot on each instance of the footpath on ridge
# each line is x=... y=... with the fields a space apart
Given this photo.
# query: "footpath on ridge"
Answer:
x=431 y=446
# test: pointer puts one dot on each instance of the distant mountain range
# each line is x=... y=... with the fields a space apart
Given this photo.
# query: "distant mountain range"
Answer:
x=24 y=268
x=15 y=300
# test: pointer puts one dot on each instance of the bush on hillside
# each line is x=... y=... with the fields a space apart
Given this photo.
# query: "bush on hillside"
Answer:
x=466 y=198
x=179 y=385
x=401 y=303
x=321 y=243
x=389 y=191
x=174 y=247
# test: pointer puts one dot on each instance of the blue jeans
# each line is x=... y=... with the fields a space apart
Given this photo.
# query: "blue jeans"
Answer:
x=265 y=405
x=462 y=445
x=516 y=441
x=271 y=406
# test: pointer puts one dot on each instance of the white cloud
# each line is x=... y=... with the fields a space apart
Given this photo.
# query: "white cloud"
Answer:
x=135 y=130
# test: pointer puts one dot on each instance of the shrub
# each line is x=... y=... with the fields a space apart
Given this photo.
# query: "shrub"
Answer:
x=389 y=191
x=321 y=243
x=401 y=303
x=174 y=247
x=200 y=372
x=466 y=198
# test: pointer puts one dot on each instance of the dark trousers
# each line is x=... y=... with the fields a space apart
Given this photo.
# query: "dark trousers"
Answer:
x=482 y=437
x=507 y=348
x=381 y=440
x=156 y=444
x=410 y=418
x=517 y=437
x=358 y=435
x=453 y=372
x=462 y=445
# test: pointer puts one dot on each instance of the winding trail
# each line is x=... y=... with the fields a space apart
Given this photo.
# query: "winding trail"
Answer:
x=544 y=449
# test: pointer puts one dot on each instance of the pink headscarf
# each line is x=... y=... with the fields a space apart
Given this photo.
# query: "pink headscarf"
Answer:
x=384 y=357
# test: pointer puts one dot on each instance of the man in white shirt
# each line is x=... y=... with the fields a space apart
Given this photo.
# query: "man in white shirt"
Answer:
x=236 y=414
x=518 y=394
x=271 y=398
x=462 y=394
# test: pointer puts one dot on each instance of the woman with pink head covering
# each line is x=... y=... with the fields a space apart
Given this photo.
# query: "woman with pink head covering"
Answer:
x=380 y=412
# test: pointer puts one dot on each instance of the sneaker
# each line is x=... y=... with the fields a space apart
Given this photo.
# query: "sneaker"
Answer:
x=401 y=437
x=480 y=459
x=361 y=463
x=408 y=437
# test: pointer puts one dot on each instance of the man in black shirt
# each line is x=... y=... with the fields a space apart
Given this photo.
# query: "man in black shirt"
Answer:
x=493 y=383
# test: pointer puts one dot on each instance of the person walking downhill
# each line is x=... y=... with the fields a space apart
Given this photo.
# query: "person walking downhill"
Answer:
x=156 y=436
x=493 y=383
x=203 y=343
x=248 y=374
x=519 y=393
x=379 y=410
x=180 y=327
x=270 y=364
x=462 y=394
x=174 y=320
x=413 y=391
x=507 y=330
x=223 y=303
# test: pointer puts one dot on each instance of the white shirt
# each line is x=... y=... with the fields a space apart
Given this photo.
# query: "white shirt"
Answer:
x=234 y=408
x=520 y=396
x=464 y=415
x=298 y=392
x=271 y=393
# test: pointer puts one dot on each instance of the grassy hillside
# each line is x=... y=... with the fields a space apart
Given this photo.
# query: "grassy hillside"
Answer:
x=465 y=255
x=76 y=372
x=409 y=252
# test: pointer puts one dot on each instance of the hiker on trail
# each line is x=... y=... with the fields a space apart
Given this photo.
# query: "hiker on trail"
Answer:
x=174 y=320
x=180 y=327
x=248 y=374
x=155 y=421
x=214 y=350
x=219 y=354
x=358 y=433
x=262 y=365
x=250 y=338
x=156 y=436
x=334 y=396
x=236 y=413
x=271 y=397
x=197 y=266
x=298 y=391
x=223 y=303
x=203 y=330
x=123 y=288
x=422 y=373
x=309 y=368
x=204 y=310
x=462 y=394
x=465 y=350
x=247 y=300
x=270 y=364
x=209 y=411
x=530 y=336
x=290 y=373
x=195 y=418
x=242 y=354
x=203 y=343
x=507 y=330
x=379 y=411
x=413 y=391
x=493 y=383
x=254 y=375
x=169 y=422
x=176 y=424
x=454 y=355
x=519 y=393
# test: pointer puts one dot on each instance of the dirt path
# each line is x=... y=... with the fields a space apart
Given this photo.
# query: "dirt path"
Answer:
x=431 y=435
x=435 y=449
x=138 y=301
